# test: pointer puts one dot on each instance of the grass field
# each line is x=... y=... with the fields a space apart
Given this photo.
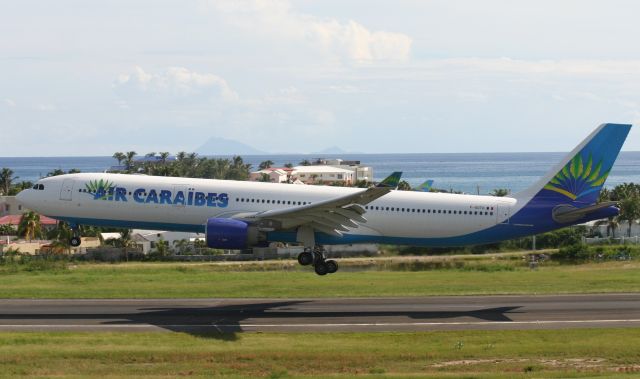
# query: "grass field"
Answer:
x=472 y=354
x=173 y=280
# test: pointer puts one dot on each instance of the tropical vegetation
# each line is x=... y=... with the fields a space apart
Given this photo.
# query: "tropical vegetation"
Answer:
x=29 y=227
x=184 y=165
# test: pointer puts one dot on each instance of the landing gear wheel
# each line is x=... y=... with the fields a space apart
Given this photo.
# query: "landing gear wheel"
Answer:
x=332 y=266
x=75 y=241
x=305 y=258
x=321 y=268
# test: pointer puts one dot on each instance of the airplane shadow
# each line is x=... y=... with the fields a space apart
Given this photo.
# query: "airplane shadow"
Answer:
x=225 y=321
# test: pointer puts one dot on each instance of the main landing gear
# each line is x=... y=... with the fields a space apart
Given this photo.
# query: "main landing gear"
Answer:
x=75 y=240
x=316 y=257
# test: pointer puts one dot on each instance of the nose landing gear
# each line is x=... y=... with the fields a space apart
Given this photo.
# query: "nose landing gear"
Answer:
x=316 y=257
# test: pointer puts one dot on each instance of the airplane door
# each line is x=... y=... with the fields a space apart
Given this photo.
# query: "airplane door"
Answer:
x=503 y=213
x=67 y=189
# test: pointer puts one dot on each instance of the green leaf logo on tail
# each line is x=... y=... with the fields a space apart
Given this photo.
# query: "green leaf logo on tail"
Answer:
x=578 y=178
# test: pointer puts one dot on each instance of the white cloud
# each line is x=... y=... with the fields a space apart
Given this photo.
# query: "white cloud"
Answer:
x=9 y=103
x=348 y=41
x=562 y=67
x=473 y=97
x=345 y=89
x=46 y=107
x=174 y=83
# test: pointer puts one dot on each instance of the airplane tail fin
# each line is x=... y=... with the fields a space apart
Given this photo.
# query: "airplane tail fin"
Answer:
x=577 y=180
x=424 y=187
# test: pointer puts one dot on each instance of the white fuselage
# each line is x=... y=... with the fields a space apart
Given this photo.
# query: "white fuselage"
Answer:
x=148 y=201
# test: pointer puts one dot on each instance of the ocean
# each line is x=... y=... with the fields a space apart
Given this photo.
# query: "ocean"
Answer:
x=466 y=172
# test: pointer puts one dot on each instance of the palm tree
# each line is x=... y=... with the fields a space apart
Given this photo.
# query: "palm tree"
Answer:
x=265 y=178
x=125 y=242
x=128 y=161
x=119 y=157
x=305 y=162
x=404 y=186
x=630 y=211
x=499 y=192
x=6 y=180
x=162 y=247
x=181 y=246
x=7 y=230
x=56 y=172
x=29 y=226
x=62 y=235
x=605 y=195
x=163 y=156
x=288 y=165
x=628 y=197
x=151 y=154
x=265 y=164
x=611 y=223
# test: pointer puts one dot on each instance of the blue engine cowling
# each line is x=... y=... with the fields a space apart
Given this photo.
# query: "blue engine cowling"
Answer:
x=226 y=233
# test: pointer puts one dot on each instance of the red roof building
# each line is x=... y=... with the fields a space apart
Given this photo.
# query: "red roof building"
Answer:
x=15 y=220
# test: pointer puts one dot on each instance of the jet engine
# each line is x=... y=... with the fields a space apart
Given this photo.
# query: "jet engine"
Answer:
x=227 y=233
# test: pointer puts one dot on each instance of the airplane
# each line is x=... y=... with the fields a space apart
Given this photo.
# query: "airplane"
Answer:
x=243 y=214
x=424 y=187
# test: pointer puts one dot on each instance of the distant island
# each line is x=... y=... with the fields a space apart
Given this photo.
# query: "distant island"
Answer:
x=223 y=146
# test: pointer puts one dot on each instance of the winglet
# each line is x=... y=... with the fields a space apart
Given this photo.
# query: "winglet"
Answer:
x=391 y=181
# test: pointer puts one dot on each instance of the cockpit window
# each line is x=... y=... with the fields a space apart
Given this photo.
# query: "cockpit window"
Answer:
x=41 y=187
x=35 y=187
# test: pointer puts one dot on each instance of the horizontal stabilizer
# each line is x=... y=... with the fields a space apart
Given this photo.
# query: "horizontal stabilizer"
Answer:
x=565 y=214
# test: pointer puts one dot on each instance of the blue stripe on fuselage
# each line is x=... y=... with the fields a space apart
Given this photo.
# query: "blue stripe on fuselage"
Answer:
x=495 y=233
x=132 y=224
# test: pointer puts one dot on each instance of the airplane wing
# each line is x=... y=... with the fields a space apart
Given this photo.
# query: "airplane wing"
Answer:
x=331 y=216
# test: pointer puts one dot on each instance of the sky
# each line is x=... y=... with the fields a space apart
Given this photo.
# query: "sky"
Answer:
x=82 y=78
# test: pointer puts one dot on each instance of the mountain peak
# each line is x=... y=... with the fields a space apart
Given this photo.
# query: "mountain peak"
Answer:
x=223 y=146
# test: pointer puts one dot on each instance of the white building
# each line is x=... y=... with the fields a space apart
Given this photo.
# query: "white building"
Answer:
x=275 y=175
x=317 y=174
x=362 y=172
x=10 y=206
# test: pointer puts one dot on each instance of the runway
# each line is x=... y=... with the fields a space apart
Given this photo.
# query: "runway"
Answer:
x=199 y=316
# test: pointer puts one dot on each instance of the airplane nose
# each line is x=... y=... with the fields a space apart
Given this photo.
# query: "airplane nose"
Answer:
x=21 y=196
